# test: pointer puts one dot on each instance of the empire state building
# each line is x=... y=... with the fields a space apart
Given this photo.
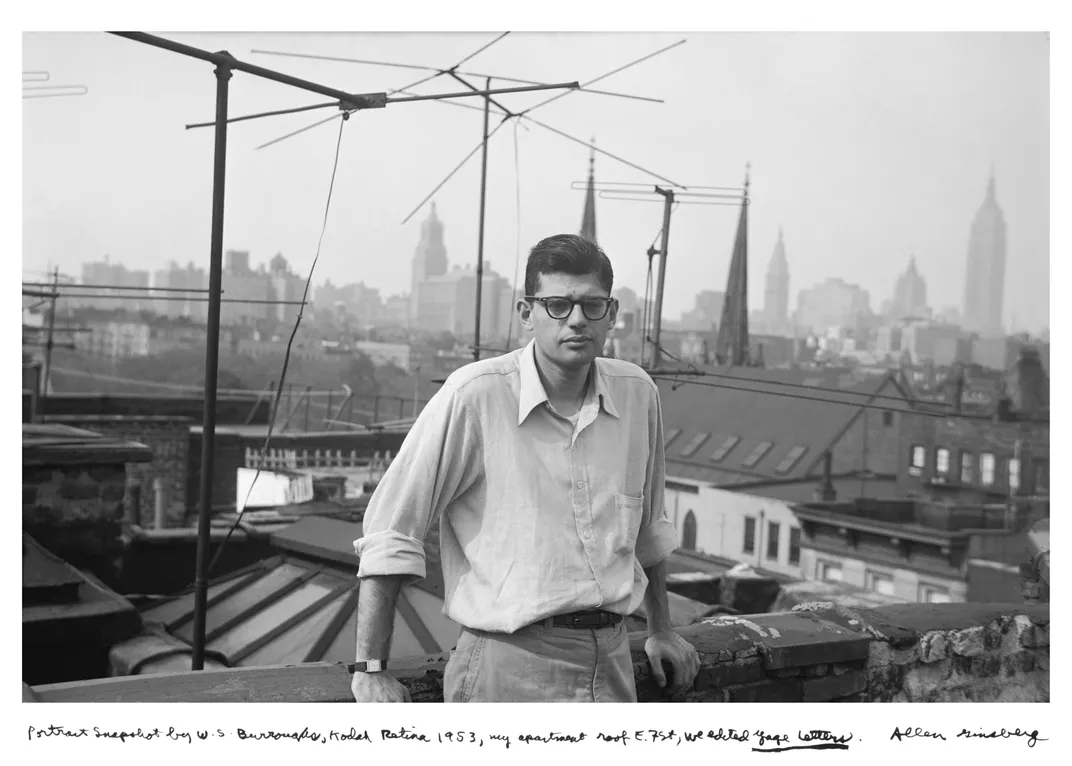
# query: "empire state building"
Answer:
x=984 y=283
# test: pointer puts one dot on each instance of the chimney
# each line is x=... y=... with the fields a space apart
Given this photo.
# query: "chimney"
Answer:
x=1026 y=384
x=825 y=492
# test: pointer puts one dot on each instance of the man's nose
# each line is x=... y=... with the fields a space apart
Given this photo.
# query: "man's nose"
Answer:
x=576 y=317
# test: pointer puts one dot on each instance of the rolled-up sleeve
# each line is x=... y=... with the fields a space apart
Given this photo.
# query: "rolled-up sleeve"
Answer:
x=433 y=466
x=657 y=537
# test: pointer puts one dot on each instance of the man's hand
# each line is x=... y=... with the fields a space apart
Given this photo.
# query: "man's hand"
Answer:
x=378 y=687
x=668 y=645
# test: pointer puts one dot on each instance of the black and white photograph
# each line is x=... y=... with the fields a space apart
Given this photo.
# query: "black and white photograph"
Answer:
x=537 y=366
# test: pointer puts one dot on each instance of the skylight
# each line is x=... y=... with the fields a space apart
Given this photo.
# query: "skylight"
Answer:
x=757 y=454
x=672 y=434
x=791 y=458
x=694 y=444
x=724 y=448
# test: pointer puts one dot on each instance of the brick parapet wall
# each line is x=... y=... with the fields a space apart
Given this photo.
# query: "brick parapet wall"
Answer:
x=76 y=512
x=823 y=653
x=168 y=437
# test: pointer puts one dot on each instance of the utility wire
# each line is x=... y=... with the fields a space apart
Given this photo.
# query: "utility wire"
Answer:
x=517 y=240
x=909 y=410
x=286 y=356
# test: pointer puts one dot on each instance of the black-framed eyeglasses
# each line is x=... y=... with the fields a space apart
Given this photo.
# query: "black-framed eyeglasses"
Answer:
x=560 y=307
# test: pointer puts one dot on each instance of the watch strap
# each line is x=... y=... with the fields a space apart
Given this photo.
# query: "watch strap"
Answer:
x=369 y=666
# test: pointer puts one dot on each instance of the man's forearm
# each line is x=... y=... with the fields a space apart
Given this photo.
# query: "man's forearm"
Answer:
x=656 y=602
x=376 y=616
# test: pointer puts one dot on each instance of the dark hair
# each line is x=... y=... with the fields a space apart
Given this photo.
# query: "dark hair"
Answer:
x=567 y=254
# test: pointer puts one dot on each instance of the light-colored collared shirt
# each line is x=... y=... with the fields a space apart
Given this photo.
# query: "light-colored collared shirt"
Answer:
x=536 y=516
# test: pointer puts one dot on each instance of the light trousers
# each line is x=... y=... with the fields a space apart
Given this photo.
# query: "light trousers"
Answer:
x=541 y=663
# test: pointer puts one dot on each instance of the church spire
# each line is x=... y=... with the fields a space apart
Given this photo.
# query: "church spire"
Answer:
x=732 y=344
x=588 y=220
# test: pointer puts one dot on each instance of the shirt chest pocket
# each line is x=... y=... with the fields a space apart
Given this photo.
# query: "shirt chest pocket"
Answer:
x=628 y=511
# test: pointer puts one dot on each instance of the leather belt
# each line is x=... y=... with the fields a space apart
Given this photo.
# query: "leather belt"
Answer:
x=593 y=618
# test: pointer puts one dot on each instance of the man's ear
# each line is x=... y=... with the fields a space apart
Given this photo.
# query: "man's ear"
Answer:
x=613 y=313
x=524 y=313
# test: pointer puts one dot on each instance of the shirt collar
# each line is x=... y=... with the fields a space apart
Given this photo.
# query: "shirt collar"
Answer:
x=531 y=392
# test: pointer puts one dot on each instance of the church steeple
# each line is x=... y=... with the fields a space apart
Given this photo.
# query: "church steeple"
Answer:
x=588 y=220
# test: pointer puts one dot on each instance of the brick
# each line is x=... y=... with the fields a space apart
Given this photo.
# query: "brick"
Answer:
x=815 y=671
x=1014 y=664
x=834 y=687
x=784 y=673
x=961 y=665
x=887 y=681
x=787 y=690
x=1038 y=637
x=112 y=493
x=728 y=674
x=986 y=666
x=879 y=654
x=1042 y=659
x=79 y=487
x=934 y=647
x=29 y=494
x=993 y=636
x=969 y=642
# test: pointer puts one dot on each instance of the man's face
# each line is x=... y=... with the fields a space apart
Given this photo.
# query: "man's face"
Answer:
x=573 y=341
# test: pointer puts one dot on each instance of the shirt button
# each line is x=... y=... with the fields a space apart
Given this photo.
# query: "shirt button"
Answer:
x=587 y=534
x=580 y=485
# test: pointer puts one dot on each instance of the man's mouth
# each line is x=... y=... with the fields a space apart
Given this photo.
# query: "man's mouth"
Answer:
x=577 y=340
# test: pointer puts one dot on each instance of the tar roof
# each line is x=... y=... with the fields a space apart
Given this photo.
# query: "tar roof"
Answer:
x=726 y=435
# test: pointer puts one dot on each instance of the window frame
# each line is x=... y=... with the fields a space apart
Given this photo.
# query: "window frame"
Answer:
x=971 y=476
x=926 y=587
x=693 y=445
x=983 y=472
x=757 y=454
x=790 y=460
x=794 y=545
x=725 y=448
x=774 y=536
x=1010 y=473
x=939 y=454
x=821 y=567
x=872 y=576
x=748 y=545
x=916 y=467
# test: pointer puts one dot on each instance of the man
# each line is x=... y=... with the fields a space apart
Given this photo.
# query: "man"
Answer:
x=544 y=470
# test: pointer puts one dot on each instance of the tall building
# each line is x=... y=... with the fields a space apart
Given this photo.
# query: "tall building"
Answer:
x=285 y=286
x=732 y=346
x=833 y=303
x=776 y=294
x=110 y=275
x=448 y=303
x=175 y=277
x=909 y=294
x=588 y=219
x=240 y=282
x=429 y=260
x=984 y=283
x=706 y=313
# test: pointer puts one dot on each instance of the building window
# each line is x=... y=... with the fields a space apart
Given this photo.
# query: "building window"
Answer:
x=794 y=545
x=688 y=536
x=749 y=535
x=918 y=460
x=986 y=468
x=1042 y=476
x=941 y=460
x=773 y=529
x=967 y=468
x=694 y=444
x=791 y=459
x=670 y=436
x=757 y=454
x=1014 y=473
x=932 y=594
x=828 y=571
x=878 y=582
x=887 y=419
x=724 y=448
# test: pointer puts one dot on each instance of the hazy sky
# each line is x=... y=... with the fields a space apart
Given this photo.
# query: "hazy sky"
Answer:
x=865 y=148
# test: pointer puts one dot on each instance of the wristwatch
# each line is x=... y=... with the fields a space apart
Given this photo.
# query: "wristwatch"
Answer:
x=369 y=666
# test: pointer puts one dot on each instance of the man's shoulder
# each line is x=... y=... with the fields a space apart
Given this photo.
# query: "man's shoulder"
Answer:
x=485 y=373
x=622 y=373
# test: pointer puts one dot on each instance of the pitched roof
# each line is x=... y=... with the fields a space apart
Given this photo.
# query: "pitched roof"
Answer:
x=730 y=431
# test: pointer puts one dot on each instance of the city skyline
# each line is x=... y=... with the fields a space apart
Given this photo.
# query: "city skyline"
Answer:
x=859 y=165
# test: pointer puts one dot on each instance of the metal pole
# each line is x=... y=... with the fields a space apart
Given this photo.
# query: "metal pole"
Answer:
x=212 y=351
x=308 y=403
x=480 y=235
x=416 y=391
x=50 y=342
x=668 y=200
